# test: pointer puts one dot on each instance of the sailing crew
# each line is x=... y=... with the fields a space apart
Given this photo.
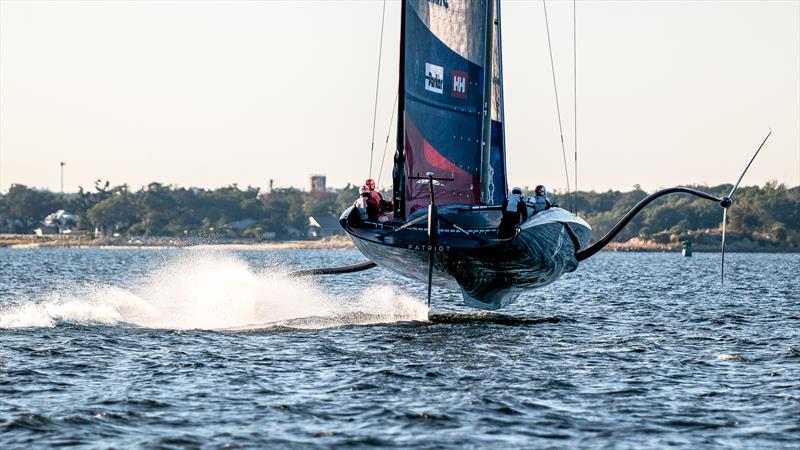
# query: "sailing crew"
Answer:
x=368 y=208
x=384 y=205
x=539 y=201
x=370 y=184
x=514 y=213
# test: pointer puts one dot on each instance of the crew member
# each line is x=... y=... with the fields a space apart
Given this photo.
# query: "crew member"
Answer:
x=370 y=184
x=384 y=205
x=368 y=208
x=539 y=202
x=514 y=213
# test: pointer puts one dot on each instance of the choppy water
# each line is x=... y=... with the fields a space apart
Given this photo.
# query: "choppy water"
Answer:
x=119 y=348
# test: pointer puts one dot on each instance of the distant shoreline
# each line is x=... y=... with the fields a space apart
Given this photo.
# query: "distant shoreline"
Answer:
x=26 y=241
x=625 y=247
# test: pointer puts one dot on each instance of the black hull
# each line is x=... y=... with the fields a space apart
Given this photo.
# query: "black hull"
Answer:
x=490 y=272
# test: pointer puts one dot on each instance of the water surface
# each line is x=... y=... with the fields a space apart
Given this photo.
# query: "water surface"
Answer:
x=174 y=348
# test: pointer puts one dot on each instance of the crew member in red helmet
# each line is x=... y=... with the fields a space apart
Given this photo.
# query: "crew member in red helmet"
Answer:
x=385 y=206
x=539 y=201
x=367 y=207
x=370 y=183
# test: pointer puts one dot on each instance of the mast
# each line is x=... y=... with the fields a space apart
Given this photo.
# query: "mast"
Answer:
x=486 y=132
x=398 y=175
x=502 y=112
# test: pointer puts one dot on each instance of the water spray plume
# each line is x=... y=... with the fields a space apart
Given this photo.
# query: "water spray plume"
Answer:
x=213 y=292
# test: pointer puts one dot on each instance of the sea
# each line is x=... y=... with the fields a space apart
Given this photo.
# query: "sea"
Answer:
x=182 y=348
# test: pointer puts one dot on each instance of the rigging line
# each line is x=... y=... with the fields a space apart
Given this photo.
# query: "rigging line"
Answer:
x=388 y=133
x=377 y=86
x=575 y=99
x=558 y=108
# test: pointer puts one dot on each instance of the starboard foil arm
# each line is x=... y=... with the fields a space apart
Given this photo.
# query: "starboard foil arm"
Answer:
x=605 y=240
x=725 y=202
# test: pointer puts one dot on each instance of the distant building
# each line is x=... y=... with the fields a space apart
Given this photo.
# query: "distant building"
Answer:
x=46 y=230
x=322 y=226
x=59 y=222
x=316 y=183
x=240 y=225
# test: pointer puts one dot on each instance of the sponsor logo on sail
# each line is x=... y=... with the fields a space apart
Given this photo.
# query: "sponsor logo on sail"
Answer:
x=459 y=89
x=442 y=3
x=434 y=78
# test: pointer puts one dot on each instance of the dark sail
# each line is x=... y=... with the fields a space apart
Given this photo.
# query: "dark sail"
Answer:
x=451 y=120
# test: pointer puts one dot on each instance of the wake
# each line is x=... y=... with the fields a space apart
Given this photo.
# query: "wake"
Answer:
x=214 y=292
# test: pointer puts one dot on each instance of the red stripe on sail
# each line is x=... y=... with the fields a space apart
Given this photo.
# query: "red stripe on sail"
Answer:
x=422 y=157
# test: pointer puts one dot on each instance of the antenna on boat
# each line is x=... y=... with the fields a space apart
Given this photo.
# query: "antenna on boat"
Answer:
x=726 y=203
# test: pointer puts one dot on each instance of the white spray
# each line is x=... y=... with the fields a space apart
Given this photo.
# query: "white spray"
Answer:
x=213 y=291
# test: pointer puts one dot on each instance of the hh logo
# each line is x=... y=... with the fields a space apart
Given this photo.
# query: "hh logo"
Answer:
x=459 y=84
x=434 y=78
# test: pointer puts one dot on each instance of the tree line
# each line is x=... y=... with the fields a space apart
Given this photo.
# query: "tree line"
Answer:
x=165 y=210
x=772 y=210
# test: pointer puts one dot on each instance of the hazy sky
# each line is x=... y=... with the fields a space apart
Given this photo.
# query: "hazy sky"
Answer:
x=213 y=93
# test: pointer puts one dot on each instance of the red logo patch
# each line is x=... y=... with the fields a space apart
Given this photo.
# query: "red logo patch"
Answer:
x=459 y=84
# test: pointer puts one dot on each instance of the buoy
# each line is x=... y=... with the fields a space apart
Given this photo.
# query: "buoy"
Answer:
x=686 y=248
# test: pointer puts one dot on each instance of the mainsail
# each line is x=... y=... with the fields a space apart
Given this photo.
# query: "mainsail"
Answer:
x=451 y=120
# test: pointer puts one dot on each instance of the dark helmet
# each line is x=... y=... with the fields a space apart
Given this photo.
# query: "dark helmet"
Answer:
x=516 y=190
x=540 y=190
x=363 y=190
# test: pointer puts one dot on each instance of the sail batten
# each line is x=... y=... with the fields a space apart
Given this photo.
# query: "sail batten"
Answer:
x=451 y=110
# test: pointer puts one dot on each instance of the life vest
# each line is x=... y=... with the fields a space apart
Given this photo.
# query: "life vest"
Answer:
x=361 y=207
x=377 y=196
x=540 y=203
x=513 y=202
